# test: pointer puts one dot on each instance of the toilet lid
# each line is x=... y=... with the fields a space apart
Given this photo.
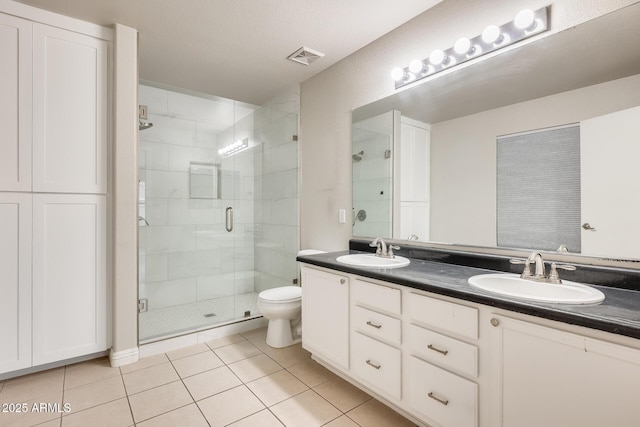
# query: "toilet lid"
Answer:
x=282 y=294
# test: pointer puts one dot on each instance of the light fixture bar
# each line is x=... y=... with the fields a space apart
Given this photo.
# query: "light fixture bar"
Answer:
x=527 y=23
x=234 y=147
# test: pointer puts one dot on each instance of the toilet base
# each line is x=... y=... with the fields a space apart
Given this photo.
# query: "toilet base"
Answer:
x=279 y=334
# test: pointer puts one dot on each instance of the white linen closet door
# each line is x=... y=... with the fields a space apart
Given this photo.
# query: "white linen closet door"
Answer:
x=15 y=281
x=69 y=276
x=15 y=104
x=611 y=199
x=70 y=101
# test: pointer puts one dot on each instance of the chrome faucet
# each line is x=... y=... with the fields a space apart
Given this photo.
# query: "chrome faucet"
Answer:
x=539 y=274
x=383 y=250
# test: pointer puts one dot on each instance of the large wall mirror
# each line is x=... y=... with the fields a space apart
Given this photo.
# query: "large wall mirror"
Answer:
x=456 y=159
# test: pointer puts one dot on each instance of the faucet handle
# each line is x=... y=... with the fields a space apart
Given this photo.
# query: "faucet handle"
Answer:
x=526 y=272
x=390 y=249
x=554 y=277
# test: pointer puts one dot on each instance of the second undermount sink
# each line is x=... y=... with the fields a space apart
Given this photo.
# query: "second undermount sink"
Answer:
x=373 y=261
x=511 y=285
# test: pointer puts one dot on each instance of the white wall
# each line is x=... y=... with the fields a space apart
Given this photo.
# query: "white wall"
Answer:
x=328 y=98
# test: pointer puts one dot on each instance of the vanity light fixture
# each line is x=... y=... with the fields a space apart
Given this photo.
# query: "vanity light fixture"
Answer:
x=234 y=147
x=527 y=23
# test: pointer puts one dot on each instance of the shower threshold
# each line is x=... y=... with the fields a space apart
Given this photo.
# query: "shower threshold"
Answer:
x=168 y=322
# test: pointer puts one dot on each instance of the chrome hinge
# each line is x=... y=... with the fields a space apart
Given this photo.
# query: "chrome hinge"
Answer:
x=143 y=305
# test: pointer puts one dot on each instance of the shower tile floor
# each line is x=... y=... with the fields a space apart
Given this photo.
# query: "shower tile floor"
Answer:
x=180 y=319
x=232 y=381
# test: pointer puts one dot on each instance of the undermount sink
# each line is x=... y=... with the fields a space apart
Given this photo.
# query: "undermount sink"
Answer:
x=373 y=261
x=512 y=285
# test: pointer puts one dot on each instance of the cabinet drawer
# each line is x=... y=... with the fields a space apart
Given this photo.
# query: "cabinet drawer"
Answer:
x=442 y=350
x=376 y=325
x=444 y=315
x=376 y=296
x=442 y=396
x=376 y=364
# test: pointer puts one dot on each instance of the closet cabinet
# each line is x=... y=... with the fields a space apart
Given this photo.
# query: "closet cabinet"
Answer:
x=69 y=112
x=69 y=276
x=53 y=190
x=15 y=281
x=15 y=104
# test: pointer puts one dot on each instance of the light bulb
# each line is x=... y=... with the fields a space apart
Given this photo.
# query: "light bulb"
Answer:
x=462 y=45
x=397 y=74
x=416 y=66
x=524 y=19
x=491 y=34
x=436 y=57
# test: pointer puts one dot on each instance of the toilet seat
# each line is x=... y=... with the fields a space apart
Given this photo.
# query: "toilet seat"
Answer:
x=282 y=294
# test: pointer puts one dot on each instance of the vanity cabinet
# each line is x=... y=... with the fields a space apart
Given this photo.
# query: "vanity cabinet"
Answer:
x=376 y=337
x=438 y=362
x=548 y=377
x=325 y=315
x=445 y=362
x=54 y=80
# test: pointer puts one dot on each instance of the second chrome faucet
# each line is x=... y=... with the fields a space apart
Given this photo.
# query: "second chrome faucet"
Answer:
x=383 y=250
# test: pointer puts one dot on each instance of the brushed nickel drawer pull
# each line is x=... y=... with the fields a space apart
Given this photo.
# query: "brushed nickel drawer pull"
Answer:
x=370 y=323
x=343 y=281
x=445 y=402
x=443 y=352
x=373 y=364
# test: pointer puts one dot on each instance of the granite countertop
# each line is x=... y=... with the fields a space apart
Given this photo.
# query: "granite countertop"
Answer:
x=619 y=313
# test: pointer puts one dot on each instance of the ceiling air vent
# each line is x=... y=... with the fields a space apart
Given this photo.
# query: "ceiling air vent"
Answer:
x=305 y=56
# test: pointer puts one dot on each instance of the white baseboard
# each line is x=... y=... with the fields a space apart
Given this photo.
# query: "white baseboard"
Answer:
x=124 y=357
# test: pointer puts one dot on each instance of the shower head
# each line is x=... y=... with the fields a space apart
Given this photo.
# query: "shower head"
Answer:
x=358 y=156
x=144 y=125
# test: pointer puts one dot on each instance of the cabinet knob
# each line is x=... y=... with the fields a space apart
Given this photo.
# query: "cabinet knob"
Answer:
x=495 y=322
x=343 y=281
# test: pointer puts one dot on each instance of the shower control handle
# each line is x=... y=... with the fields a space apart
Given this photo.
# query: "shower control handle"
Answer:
x=229 y=219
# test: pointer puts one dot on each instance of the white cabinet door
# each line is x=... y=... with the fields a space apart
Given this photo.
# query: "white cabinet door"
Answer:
x=611 y=143
x=15 y=281
x=15 y=104
x=549 y=377
x=325 y=315
x=69 y=111
x=69 y=276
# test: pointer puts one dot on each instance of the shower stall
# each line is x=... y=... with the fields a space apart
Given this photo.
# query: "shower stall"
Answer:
x=218 y=208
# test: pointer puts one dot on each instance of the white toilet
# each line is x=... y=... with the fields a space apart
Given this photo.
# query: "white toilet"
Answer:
x=282 y=307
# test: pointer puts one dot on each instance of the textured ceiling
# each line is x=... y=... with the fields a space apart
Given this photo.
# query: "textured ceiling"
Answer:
x=238 y=48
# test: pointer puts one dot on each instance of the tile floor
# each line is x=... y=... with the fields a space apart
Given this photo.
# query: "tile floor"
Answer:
x=236 y=380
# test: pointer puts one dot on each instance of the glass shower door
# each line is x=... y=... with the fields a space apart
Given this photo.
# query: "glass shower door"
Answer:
x=193 y=263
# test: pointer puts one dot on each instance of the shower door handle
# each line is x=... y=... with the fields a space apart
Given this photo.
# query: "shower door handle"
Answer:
x=229 y=219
